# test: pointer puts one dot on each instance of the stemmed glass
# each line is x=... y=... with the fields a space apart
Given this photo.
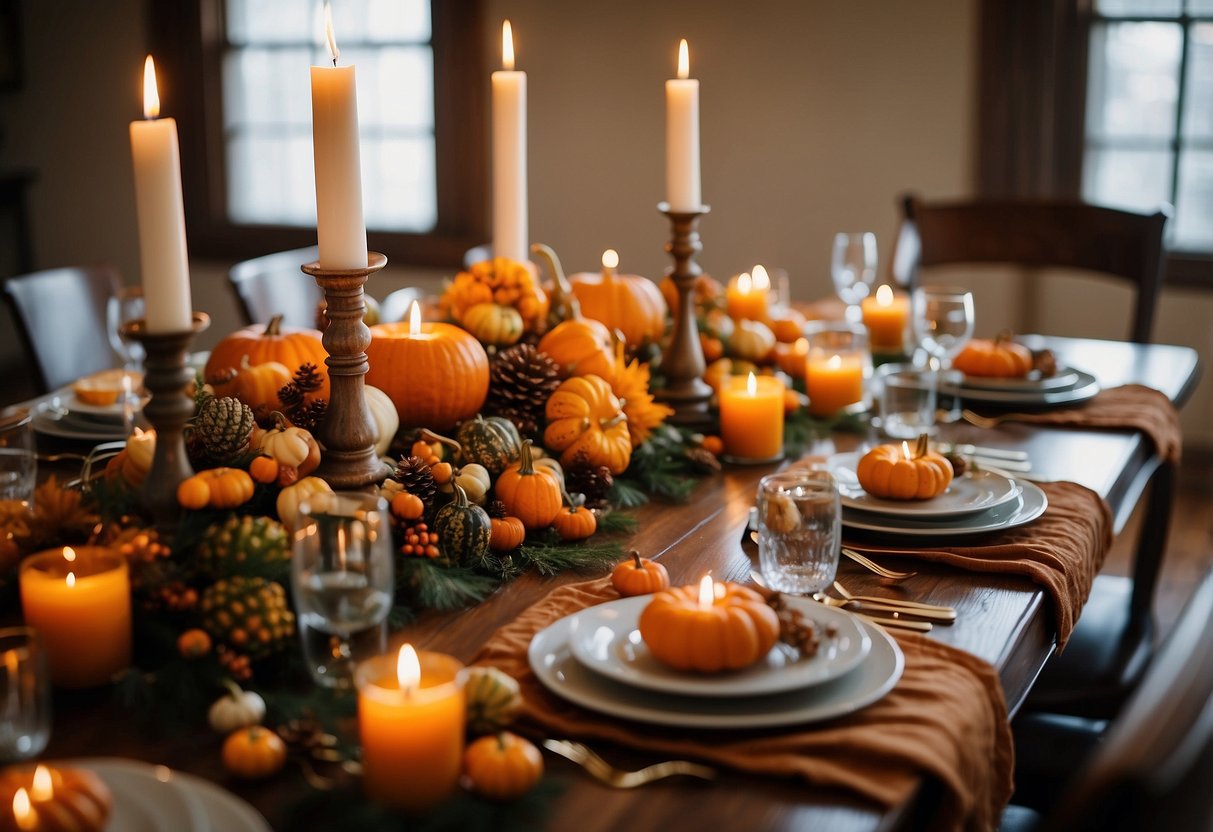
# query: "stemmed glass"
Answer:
x=342 y=579
x=120 y=310
x=942 y=318
x=853 y=268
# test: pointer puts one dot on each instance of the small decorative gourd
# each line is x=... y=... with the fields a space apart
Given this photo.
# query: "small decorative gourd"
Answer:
x=463 y=529
x=585 y=417
x=236 y=709
x=493 y=699
x=530 y=493
x=493 y=324
x=639 y=576
x=580 y=346
x=293 y=448
x=254 y=752
x=574 y=521
x=751 y=341
x=217 y=488
x=502 y=766
x=291 y=497
x=289 y=346
x=893 y=472
x=507 y=534
x=709 y=628
x=997 y=358
x=65 y=800
x=492 y=442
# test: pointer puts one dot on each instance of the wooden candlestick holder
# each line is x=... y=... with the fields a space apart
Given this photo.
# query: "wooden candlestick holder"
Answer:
x=682 y=363
x=348 y=434
x=166 y=377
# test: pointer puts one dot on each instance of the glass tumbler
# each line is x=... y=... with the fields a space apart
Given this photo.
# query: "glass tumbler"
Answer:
x=908 y=400
x=25 y=695
x=18 y=462
x=837 y=368
x=799 y=530
x=342 y=579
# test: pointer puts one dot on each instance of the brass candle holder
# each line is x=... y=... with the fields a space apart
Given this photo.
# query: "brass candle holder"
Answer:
x=167 y=378
x=348 y=434
x=682 y=363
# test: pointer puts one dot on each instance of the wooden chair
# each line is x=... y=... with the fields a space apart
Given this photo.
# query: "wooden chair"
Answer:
x=1070 y=235
x=1154 y=768
x=1113 y=642
x=274 y=285
x=61 y=319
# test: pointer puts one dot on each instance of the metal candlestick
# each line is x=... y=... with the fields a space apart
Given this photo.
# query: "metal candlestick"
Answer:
x=682 y=363
x=166 y=377
x=348 y=434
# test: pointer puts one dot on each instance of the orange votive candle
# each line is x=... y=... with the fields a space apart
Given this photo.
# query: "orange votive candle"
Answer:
x=751 y=417
x=833 y=383
x=746 y=300
x=885 y=316
x=79 y=601
x=411 y=715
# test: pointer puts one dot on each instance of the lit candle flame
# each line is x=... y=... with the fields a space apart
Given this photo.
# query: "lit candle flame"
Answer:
x=684 y=59
x=43 y=788
x=151 y=93
x=751 y=385
x=507 y=45
x=707 y=594
x=801 y=347
x=610 y=259
x=23 y=812
x=408 y=669
x=834 y=363
x=71 y=579
x=744 y=283
x=762 y=280
x=414 y=318
x=69 y=554
x=884 y=295
x=329 y=37
x=905 y=449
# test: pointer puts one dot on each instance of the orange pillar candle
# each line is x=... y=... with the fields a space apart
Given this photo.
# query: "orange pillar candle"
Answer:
x=833 y=383
x=746 y=297
x=79 y=600
x=751 y=417
x=885 y=316
x=411 y=714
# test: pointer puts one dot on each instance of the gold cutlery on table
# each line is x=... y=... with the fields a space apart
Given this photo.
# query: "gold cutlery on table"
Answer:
x=604 y=772
x=893 y=619
x=873 y=566
x=934 y=612
x=987 y=422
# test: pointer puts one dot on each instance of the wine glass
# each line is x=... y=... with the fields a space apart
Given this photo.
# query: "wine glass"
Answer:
x=853 y=268
x=342 y=579
x=942 y=318
x=122 y=309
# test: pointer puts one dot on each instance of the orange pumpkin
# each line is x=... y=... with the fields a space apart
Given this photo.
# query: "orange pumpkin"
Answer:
x=528 y=492
x=997 y=358
x=584 y=416
x=580 y=346
x=500 y=281
x=253 y=752
x=507 y=534
x=738 y=629
x=264 y=469
x=436 y=378
x=218 y=488
x=289 y=346
x=80 y=801
x=574 y=521
x=625 y=302
x=502 y=766
x=639 y=576
x=256 y=385
x=893 y=472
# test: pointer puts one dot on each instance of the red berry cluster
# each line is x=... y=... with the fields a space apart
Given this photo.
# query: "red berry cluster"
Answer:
x=418 y=541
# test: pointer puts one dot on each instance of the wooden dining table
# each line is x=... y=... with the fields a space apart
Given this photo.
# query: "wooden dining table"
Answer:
x=1002 y=619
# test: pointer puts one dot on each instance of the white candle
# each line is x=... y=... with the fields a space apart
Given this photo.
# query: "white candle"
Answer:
x=161 y=212
x=682 y=137
x=340 y=230
x=509 y=155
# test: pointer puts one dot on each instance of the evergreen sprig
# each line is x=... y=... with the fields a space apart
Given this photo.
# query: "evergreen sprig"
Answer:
x=551 y=558
x=442 y=586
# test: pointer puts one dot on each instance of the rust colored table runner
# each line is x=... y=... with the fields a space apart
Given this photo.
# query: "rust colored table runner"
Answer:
x=946 y=719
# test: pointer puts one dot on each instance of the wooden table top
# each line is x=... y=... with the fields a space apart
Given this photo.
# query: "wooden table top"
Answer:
x=1002 y=619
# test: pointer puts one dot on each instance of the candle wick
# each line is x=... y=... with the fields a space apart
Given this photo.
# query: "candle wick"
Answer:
x=334 y=60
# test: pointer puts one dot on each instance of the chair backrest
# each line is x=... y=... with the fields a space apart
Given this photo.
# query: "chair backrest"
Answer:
x=1155 y=767
x=274 y=285
x=1037 y=233
x=477 y=254
x=61 y=320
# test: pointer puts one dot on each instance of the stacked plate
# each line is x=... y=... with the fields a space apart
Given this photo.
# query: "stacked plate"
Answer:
x=979 y=501
x=597 y=659
x=151 y=798
x=1066 y=386
x=63 y=415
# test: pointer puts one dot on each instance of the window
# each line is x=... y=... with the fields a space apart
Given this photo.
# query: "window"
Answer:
x=245 y=118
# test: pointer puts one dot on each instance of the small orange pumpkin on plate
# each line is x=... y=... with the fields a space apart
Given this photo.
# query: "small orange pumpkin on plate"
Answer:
x=709 y=627
x=894 y=472
x=997 y=358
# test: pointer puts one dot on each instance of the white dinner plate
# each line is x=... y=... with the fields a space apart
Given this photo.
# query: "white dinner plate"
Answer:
x=558 y=669
x=1030 y=503
x=974 y=492
x=64 y=426
x=169 y=800
x=1033 y=382
x=605 y=639
x=66 y=398
x=1084 y=388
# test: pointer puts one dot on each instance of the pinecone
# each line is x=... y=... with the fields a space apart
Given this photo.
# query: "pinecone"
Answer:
x=584 y=477
x=308 y=378
x=704 y=460
x=311 y=416
x=223 y=427
x=238 y=543
x=250 y=615
x=520 y=383
x=497 y=509
x=415 y=475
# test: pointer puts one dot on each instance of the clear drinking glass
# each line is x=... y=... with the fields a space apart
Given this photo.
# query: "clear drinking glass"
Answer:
x=853 y=267
x=18 y=463
x=908 y=400
x=25 y=695
x=799 y=530
x=942 y=318
x=342 y=579
x=121 y=309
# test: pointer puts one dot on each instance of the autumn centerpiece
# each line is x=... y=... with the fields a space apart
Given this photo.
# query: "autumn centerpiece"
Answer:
x=709 y=628
x=894 y=472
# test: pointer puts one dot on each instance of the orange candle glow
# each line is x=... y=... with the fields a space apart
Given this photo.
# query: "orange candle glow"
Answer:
x=747 y=296
x=80 y=602
x=751 y=417
x=885 y=316
x=411 y=721
x=833 y=383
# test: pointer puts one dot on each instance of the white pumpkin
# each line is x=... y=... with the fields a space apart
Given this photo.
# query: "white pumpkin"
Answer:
x=291 y=497
x=751 y=341
x=385 y=417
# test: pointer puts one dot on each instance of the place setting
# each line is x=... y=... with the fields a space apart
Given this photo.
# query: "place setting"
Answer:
x=99 y=407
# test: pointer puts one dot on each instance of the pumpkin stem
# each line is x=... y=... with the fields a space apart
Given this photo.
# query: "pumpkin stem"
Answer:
x=565 y=306
x=573 y=502
x=606 y=424
x=280 y=421
x=923 y=446
x=274 y=327
x=429 y=436
x=526 y=462
x=461 y=496
x=233 y=690
x=635 y=555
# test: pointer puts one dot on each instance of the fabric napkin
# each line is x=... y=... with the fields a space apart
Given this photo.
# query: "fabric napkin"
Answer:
x=1062 y=550
x=946 y=718
x=1132 y=406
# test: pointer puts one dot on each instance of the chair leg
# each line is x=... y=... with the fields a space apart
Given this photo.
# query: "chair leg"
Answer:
x=1152 y=543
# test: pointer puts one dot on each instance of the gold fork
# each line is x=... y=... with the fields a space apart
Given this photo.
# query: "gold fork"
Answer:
x=987 y=422
x=934 y=612
x=873 y=566
x=604 y=772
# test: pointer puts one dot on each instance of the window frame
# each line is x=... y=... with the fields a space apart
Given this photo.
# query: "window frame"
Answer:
x=1032 y=109
x=188 y=40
